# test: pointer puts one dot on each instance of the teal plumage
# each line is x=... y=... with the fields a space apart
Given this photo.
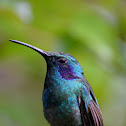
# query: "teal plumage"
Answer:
x=68 y=99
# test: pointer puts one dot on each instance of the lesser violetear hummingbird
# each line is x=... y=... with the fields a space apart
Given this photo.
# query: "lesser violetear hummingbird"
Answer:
x=68 y=99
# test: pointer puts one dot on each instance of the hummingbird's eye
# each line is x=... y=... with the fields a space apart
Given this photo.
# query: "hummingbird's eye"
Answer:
x=62 y=60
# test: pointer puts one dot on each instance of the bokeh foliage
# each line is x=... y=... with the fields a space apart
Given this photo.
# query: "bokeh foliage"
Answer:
x=92 y=31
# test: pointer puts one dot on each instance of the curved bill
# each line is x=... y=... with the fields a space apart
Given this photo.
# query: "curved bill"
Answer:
x=43 y=53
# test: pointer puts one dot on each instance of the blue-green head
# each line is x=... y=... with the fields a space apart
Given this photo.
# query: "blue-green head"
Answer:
x=65 y=64
x=61 y=64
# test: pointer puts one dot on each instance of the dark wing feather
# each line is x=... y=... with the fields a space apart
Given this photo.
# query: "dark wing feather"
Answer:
x=93 y=117
x=86 y=117
x=96 y=114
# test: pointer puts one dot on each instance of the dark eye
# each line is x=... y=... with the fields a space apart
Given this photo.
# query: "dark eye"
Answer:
x=62 y=60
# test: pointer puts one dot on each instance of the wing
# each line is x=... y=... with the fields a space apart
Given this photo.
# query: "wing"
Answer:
x=90 y=113
x=90 y=90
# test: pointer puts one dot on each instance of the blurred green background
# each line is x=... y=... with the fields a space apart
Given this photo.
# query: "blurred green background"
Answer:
x=93 y=31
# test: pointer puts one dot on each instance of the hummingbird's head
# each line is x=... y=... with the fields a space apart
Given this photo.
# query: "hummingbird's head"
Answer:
x=65 y=64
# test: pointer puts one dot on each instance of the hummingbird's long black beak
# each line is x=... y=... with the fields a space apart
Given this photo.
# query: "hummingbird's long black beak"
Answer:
x=43 y=53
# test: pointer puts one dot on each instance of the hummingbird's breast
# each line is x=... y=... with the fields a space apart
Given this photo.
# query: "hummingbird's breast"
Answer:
x=61 y=111
x=60 y=102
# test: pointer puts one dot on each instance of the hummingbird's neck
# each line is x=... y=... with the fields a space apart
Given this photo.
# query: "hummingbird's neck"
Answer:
x=51 y=77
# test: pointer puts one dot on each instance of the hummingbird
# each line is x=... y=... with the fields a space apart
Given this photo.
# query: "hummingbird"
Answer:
x=68 y=99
